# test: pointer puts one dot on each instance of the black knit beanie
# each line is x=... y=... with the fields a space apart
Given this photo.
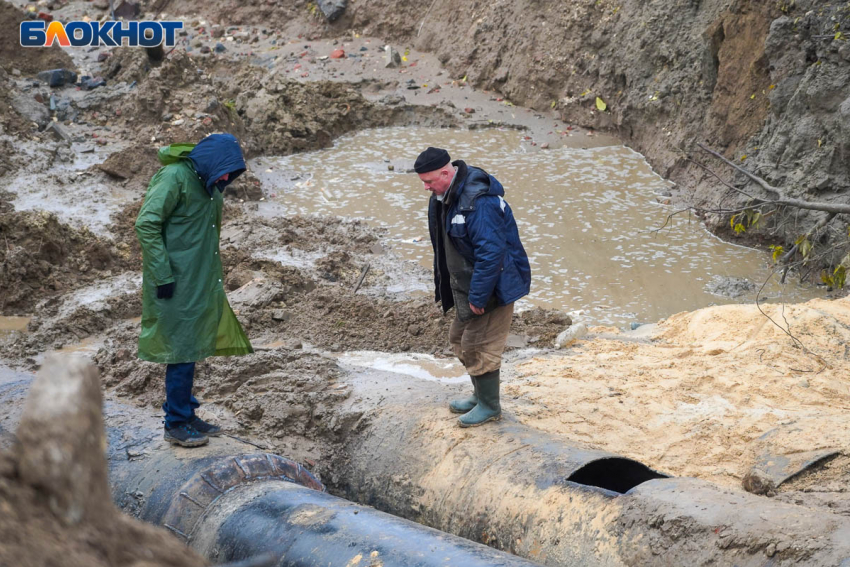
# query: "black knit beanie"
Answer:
x=431 y=159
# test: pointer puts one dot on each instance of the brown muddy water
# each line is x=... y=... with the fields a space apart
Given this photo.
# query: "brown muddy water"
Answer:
x=422 y=366
x=586 y=218
x=11 y=325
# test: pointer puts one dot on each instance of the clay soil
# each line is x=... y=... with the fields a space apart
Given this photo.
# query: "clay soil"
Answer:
x=706 y=394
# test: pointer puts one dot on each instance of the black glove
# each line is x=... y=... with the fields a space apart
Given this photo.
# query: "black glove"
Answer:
x=165 y=291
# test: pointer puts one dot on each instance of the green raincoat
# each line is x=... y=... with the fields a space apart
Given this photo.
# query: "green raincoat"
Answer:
x=178 y=228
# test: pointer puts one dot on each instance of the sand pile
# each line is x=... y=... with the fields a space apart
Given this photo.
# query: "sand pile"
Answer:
x=709 y=396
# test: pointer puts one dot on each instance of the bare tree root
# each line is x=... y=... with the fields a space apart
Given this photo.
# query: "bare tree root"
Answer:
x=798 y=203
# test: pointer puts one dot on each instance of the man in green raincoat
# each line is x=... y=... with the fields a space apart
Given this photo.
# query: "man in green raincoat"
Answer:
x=185 y=314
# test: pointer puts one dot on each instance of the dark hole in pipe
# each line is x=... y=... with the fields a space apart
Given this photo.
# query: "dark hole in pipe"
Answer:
x=615 y=474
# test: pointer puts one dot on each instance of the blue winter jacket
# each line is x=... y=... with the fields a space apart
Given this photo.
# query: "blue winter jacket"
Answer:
x=482 y=229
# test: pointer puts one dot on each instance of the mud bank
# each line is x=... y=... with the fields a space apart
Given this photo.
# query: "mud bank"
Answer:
x=44 y=258
x=290 y=279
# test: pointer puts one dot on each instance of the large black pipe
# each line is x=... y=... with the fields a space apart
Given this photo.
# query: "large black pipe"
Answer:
x=231 y=506
x=312 y=528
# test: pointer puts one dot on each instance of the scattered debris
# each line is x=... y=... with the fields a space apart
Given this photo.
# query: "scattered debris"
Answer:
x=571 y=335
x=32 y=110
x=332 y=9
x=363 y=273
x=58 y=77
x=392 y=58
x=58 y=132
x=89 y=83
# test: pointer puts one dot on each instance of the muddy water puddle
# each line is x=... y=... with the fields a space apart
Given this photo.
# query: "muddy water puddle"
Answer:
x=12 y=324
x=86 y=346
x=586 y=218
x=10 y=327
x=56 y=186
x=422 y=366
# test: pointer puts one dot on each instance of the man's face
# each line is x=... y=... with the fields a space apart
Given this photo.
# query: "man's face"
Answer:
x=224 y=177
x=437 y=182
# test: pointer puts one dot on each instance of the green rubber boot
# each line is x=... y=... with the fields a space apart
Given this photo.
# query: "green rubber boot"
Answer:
x=488 y=408
x=466 y=404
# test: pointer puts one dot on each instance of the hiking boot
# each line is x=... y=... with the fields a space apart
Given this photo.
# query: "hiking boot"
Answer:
x=202 y=426
x=466 y=404
x=488 y=408
x=185 y=435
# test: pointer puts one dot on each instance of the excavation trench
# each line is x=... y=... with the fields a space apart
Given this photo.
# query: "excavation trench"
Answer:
x=587 y=216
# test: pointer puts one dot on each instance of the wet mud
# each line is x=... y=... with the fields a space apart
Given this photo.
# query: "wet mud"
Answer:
x=44 y=258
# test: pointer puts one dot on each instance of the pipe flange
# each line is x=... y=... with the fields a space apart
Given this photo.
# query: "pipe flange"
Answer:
x=208 y=485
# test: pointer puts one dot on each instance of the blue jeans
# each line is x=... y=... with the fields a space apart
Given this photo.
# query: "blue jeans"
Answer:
x=180 y=404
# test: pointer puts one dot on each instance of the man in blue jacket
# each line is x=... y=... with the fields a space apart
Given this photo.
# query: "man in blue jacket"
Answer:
x=480 y=269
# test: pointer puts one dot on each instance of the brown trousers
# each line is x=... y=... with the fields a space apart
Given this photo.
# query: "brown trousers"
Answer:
x=479 y=342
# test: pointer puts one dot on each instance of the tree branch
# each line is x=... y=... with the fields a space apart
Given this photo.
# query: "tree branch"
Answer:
x=721 y=180
x=823 y=222
x=787 y=331
x=696 y=210
x=836 y=208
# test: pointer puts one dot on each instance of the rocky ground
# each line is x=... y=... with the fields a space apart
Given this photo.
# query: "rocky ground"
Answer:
x=762 y=83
